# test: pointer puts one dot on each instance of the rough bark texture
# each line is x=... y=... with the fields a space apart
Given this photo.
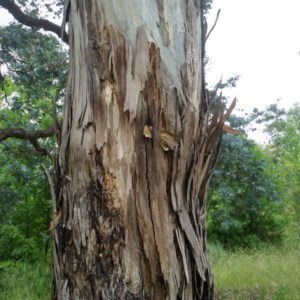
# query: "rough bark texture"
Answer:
x=134 y=157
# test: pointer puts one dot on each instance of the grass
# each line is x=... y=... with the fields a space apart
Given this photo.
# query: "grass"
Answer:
x=24 y=281
x=265 y=274
x=268 y=273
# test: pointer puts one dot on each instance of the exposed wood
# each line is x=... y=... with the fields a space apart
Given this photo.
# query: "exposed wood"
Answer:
x=56 y=220
x=218 y=127
x=229 y=129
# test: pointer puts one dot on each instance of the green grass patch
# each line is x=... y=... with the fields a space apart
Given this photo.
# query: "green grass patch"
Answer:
x=267 y=273
x=24 y=281
x=264 y=274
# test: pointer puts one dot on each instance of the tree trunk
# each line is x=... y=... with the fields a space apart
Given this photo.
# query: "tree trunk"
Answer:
x=134 y=156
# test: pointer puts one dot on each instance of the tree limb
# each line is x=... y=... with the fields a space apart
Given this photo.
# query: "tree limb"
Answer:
x=31 y=136
x=51 y=186
x=24 y=134
x=17 y=13
x=213 y=27
x=38 y=147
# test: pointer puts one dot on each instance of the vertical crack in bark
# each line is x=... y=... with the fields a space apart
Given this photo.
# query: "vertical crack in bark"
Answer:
x=149 y=190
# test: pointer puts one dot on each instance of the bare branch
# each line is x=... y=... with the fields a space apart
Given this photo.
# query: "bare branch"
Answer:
x=51 y=186
x=17 y=13
x=229 y=129
x=56 y=220
x=31 y=136
x=219 y=129
x=38 y=147
x=213 y=27
x=217 y=110
x=229 y=111
x=24 y=134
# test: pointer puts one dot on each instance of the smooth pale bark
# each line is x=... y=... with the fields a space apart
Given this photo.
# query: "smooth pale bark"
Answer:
x=133 y=159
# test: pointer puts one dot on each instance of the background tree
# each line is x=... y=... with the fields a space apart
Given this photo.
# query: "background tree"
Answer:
x=254 y=194
x=245 y=208
x=35 y=74
x=284 y=148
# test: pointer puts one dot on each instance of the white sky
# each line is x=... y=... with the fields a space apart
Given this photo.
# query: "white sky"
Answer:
x=5 y=17
x=259 y=40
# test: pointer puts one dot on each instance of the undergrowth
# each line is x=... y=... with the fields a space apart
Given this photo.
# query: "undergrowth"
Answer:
x=25 y=281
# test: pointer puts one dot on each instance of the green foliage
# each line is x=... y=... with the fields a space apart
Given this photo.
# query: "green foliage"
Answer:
x=254 y=195
x=35 y=60
x=24 y=200
x=206 y=5
x=36 y=76
x=284 y=148
x=35 y=65
x=42 y=9
x=244 y=205
x=15 y=246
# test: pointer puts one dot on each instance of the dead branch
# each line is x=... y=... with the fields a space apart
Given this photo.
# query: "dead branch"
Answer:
x=51 y=186
x=229 y=111
x=217 y=111
x=56 y=220
x=229 y=129
x=213 y=27
x=57 y=215
x=219 y=129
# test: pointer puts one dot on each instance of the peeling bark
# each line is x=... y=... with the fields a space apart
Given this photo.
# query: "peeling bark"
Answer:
x=133 y=223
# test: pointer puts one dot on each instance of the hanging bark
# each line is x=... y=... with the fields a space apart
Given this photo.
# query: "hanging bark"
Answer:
x=136 y=154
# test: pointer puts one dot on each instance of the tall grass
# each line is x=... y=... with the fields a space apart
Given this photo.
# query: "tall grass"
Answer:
x=264 y=274
x=267 y=273
x=24 y=281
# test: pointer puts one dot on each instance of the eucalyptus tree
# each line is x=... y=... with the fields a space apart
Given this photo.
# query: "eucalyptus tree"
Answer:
x=136 y=149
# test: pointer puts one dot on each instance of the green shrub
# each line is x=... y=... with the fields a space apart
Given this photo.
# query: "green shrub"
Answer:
x=244 y=206
x=15 y=246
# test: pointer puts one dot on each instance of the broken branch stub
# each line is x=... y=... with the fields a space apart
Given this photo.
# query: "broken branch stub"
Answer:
x=167 y=140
